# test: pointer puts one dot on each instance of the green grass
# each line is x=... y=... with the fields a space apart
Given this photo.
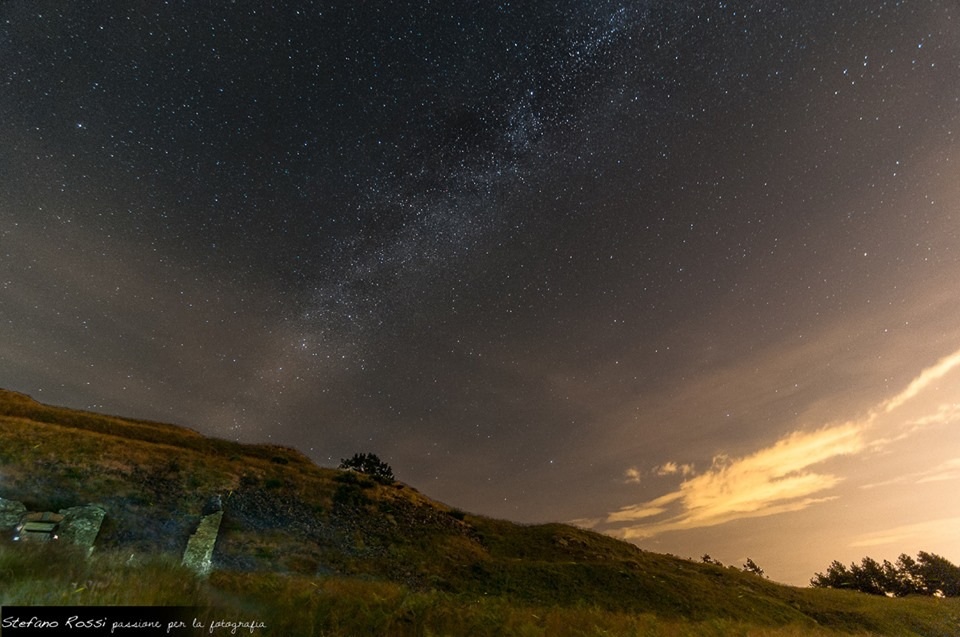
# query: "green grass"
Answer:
x=59 y=575
x=315 y=551
x=18 y=406
x=297 y=605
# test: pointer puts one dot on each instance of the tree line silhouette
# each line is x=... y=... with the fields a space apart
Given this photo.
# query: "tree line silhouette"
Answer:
x=929 y=574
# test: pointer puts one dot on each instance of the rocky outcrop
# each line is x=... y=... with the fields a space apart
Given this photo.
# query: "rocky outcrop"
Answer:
x=81 y=525
x=10 y=513
x=78 y=525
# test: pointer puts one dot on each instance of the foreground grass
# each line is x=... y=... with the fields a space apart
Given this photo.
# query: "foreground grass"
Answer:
x=393 y=561
x=298 y=605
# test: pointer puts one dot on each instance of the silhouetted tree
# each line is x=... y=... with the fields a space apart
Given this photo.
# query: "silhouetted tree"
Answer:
x=929 y=574
x=869 y=577
x=837 y=576
x=938 y=574
x=903 y=577
x=369 y=464
x=752 y=567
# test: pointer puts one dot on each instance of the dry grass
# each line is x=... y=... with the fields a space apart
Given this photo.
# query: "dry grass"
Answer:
x=315 y=551
x=51 y=574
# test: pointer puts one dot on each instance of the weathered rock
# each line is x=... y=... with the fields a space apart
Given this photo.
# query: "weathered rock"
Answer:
x=10 y=513
x=81 y=525
x=213 y=504
x=199 y=553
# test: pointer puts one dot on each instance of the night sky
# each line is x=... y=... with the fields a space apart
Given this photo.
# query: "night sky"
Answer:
x=683 y=272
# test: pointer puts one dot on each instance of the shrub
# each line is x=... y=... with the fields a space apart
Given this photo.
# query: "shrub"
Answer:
x=369 y=464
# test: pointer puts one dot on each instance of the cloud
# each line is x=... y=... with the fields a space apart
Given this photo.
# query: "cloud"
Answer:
x=930 y=530
x=641 y=511
x=585 y=523
x=945 y=414
x=769 y=481
x=633 y=475
x=947 y=470
x=673 y=468
x=784 y=476
x=926 y=377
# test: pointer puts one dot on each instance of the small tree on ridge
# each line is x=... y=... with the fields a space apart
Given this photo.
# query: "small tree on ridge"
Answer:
x=752 y=567
x=369 y=464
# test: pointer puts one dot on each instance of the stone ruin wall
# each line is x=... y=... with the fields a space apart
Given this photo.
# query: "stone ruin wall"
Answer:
x=81 y=524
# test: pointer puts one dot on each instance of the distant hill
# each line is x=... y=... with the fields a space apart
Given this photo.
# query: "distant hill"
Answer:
x=322 y=551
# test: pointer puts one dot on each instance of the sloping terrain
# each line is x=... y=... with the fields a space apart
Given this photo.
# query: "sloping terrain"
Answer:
x=287 y=520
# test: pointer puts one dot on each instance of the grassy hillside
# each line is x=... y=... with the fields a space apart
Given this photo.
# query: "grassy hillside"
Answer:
x=314 y=551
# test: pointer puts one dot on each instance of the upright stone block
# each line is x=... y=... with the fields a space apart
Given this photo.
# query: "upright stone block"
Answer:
x=81 y=525
x=199 y=553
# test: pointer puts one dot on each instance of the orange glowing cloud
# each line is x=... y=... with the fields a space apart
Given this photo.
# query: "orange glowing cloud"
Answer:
x=942 y=472
x=784 y=477
x=772 y=480
x=673 y=468
x=926 y=377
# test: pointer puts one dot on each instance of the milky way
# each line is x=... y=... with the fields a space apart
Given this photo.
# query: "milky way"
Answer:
x=552 y=261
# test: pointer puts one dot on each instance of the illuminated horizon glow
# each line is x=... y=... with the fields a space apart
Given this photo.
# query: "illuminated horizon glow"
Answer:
x=780 y=478
x=897 y=536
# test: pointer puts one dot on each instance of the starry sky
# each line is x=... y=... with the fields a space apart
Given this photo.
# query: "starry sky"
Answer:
x=684 y=272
